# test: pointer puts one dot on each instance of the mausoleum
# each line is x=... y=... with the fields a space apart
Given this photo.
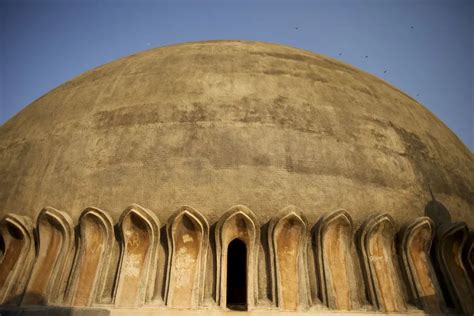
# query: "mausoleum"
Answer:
x=234 y=175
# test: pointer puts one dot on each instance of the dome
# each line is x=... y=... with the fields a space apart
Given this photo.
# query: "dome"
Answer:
x=215 y=124
x=233 y=175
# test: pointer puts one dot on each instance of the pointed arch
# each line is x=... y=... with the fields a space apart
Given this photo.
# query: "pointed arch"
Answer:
x=287 y=235
x=18 y=258
x=48 y=279
x=414 y=248
x=96 y=243
x=468 y=256
x=240 y=223
x=140 y=237
x=337 y=278
x=188 y=239
x=449 y=242
x=376 y=245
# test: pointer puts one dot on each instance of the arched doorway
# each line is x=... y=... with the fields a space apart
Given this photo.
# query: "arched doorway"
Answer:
x=237 y=275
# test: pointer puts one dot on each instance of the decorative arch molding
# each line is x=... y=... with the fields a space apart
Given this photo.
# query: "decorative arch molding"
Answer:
x=188 y=240
x=468 y=256
x=380 y=270
x=18 y=257
x=288 y=237
x=91 y=269
x=339 y=284
x=139 y=238
x=48 y=280
x=449 y=242
x=414 y=248
x=240 y=223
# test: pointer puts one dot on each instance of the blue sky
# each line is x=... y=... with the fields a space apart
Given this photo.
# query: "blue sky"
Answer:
x=424 y=47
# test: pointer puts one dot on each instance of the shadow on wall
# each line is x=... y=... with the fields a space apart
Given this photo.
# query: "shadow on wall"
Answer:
x=264 y=241
x=11 y=308
x=440 y=215
x=437 y=211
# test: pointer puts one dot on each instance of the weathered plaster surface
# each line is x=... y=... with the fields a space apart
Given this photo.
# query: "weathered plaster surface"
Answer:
x=214 y=124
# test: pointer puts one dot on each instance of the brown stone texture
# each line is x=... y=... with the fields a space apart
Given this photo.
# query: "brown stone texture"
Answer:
x=449 y=243
x=468 y=256
x=340 y=282
x=48 y=279
x=96 y=245
x=215 y=124
x=104 y=276
x=17 y=259
x=377 y=253
x=422 y=283
x=135 y=284
x=287 y=246
x=188 y=235
x=288 y=240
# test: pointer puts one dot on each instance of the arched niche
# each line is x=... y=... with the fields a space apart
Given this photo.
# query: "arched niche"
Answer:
x=449 y=242
x=18 y=257
x=336 y=265
x=188 y=240
x=377 y=251
x=92 y=264
x=238 y=225
x=55 y=252
x=468 y=256
x=140 y=237
x=414 y=249
x=287 y=236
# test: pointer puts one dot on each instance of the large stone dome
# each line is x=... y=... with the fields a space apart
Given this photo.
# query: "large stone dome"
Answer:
x=215 y=124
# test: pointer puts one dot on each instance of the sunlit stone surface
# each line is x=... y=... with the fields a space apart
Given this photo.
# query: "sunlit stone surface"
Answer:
x=267 y=178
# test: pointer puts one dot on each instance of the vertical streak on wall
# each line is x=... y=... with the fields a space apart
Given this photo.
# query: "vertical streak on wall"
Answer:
x=414 y=249
x=288 y=238
x=336 y=266
x=188 y=235
x=376 y=242
x=138 y=259
x=96 y=243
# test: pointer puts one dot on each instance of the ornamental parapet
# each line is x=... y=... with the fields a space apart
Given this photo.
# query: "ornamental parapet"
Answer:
x=236 y=263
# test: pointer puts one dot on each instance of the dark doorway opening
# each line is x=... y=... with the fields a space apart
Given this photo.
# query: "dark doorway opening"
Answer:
x=237 y=275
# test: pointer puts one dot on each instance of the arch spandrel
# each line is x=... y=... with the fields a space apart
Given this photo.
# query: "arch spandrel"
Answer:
x=188 y=239
x=339 y=283
x=288 y=238
x=414 y=249
x=449 y=242
x=55 y=252
x=140 y=236
x=92 y=265
x=376 y=245
x=238 y=222
x=18 y=257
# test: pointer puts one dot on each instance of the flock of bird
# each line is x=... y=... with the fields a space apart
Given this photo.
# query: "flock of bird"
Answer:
x=367 y=56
